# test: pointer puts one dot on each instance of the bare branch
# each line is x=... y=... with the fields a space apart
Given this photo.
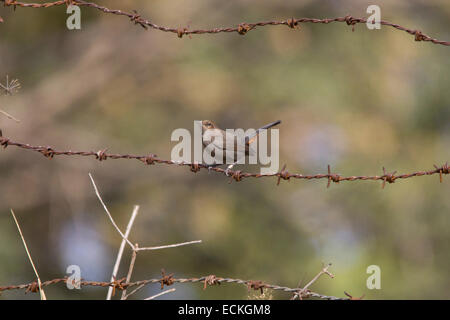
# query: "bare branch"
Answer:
x=10 y=87
x=160 y=294
x=41 y=291
x=169 y=246
x=109 y=214
x=134 y=291
x=122 y=247
x=9 y=116
x=130 y=272
x=305 y=288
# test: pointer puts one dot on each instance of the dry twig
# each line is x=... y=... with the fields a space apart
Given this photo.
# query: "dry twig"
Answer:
x=160 y=294
x=109 y=214
x=135 y=248
x=9 y=116
x=10 y=87
x=31 y=288
x=122 y=247
x=130 y=272
x=305 y=288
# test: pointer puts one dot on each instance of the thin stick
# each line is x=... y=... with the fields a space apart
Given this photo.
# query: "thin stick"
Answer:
x=169 y=246
x=135 y=290
x=9 y=116
x=133 y=258
x=323 y=271
x=120 y=253
x=109 y=214
x=41 y=291
x=130 y=272
x=160 y=294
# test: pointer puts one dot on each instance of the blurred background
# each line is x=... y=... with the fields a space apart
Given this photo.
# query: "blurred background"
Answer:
x=355 y=100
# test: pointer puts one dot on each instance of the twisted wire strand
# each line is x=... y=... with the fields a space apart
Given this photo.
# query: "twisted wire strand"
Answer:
x=242 y=28
x=237 y=175
x=168 y=280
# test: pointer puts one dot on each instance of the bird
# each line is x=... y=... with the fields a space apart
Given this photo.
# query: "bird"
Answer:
x=229 y=141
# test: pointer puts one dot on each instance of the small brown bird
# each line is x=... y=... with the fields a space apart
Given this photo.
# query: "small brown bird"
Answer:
x=229 y=141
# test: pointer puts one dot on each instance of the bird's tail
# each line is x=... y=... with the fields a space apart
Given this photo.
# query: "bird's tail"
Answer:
x=270 y=125
x=252 y=138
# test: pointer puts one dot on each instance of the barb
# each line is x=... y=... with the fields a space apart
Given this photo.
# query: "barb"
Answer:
x=168 y=280
x=151 y=159
x=352 y=297
x=241 y=29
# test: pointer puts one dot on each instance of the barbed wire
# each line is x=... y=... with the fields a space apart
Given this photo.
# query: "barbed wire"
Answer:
x=168 y=280
x=237 y=175
x=241 y=29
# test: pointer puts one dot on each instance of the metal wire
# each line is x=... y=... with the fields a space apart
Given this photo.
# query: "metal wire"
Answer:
x=167 y=280
x=237 y=175
x=242 y=28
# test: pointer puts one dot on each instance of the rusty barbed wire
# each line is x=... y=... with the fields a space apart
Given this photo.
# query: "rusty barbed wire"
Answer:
x=241 y=29
x=237 y=175
x=168 y=280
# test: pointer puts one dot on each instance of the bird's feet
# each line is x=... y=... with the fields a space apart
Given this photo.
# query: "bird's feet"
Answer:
x=211 y=166
x=228 y=169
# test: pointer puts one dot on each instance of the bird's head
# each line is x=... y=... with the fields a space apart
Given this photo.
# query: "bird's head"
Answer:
x=208 y=125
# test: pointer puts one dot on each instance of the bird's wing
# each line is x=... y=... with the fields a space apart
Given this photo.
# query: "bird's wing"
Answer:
x=219 y=139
